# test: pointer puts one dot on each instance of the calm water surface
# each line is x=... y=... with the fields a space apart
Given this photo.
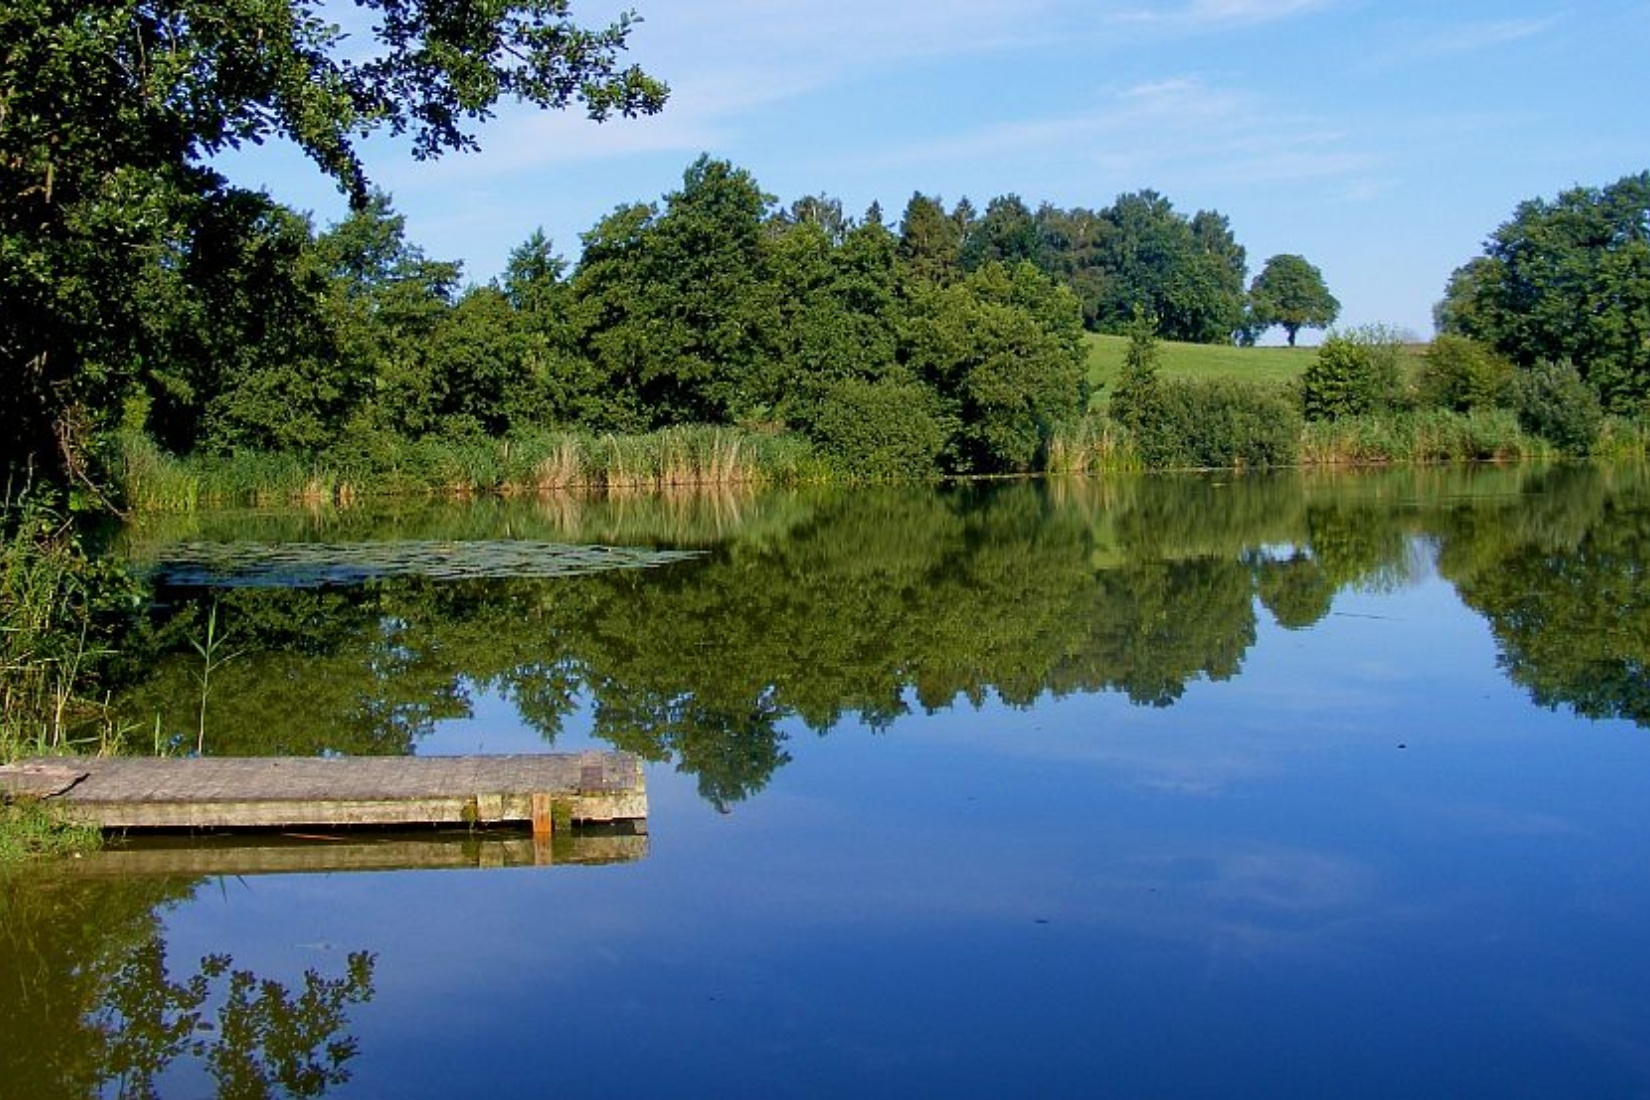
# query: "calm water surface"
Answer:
x=1275 y=787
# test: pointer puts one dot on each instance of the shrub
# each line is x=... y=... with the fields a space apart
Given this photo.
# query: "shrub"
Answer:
x=1557 y=405
x=1354 y=373
x=881 y=429
x=1212 y=423
x=1463 y=375
x=1227 y=423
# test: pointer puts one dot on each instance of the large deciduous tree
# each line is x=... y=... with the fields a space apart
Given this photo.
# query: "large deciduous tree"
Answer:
x=1188 y=273
x=111 y=113
x=677 y=308
x=1291 y=292
x=1567 y=280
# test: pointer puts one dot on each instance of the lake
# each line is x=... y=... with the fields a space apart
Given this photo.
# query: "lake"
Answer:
x=1289 y=785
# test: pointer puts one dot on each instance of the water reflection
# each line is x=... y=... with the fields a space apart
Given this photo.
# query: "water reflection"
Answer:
x=91 y=1005
x=819 y=606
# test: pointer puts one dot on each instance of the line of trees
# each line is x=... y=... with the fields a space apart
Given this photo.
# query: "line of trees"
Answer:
x=712 y=306
x=1138 y=255
x=950 y=342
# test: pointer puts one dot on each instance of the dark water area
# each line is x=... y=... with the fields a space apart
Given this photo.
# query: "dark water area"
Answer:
x=1159 y=787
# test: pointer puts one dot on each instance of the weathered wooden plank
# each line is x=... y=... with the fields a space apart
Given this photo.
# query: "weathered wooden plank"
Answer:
x=284 y=855
x=38 y=778
x=285 y=792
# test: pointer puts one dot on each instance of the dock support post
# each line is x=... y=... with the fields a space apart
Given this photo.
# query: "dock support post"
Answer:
x=543 y=821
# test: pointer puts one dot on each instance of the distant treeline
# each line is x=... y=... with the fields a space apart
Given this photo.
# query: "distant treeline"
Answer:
x=709 y=308
x=949 y=342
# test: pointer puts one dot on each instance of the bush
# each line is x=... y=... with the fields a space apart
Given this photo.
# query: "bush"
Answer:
x=877 y=430
x=1227 y=423
x=1215 y=423
x=1355 y=373
x=1463 y=375
x=1557 y=405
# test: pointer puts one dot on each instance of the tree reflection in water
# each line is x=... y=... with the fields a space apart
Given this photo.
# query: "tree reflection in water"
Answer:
x=810 y=607
x=90 y=1006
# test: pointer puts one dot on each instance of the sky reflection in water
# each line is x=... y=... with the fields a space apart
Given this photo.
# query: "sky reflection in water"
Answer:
x=1366 y=866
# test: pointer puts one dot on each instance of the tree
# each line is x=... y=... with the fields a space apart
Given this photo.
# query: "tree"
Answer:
x=678 y=308
x=111 y=115
x=930 y=241
x=1136 y=396
x=1187 y=273
x=1007 y=234
x=1568 y=281
x=1291 y=292
x=1002 y=350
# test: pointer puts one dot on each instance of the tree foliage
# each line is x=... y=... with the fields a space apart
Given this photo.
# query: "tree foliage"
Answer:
x=1567 y=280
x=1461 y=374
x=1291 y=292
x=1188 y=273
x=109 y=208
x=1353 y=374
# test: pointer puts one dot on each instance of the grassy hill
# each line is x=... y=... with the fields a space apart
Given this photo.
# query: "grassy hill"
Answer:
x=1274 y=365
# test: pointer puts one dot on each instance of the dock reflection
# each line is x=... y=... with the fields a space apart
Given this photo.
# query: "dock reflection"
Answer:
x=318 y=853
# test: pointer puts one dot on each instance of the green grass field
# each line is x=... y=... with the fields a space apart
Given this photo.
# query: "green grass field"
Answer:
x=1273 y=365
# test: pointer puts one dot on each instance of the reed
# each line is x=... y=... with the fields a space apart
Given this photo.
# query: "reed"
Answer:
x=1423 y=436
x=1624 y=439
x=1093 y=444
x=379 y=465
x=54 y=636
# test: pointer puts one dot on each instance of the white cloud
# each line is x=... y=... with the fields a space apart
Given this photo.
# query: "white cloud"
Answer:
x=1430 y=42
x=725 y=59
x=1174 y=130
x=1202 y=15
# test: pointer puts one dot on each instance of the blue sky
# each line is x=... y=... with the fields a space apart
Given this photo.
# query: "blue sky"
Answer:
x=1381 y=140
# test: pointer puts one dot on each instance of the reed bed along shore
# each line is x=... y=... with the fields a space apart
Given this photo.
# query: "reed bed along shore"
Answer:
x=700 y=457
x=1420 y=437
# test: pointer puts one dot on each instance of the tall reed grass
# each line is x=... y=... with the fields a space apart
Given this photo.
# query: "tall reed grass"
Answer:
x=54 y=637
x=1424 y=436
x=537 y=463
x=1092 y=444
x=1624 y=439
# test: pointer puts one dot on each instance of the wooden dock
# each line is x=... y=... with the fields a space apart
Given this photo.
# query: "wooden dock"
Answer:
x=545 y=792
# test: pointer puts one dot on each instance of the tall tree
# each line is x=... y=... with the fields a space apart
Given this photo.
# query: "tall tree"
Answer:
x=110 y=115
x=1188 y=273
x=930 y=241
x=677 y=305
x=1568 y=280
x=1007 y=234
x=1291 y=292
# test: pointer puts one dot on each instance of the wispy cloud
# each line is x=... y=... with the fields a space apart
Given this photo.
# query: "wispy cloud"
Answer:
x=1175 y=129
x=726 y=59
x=1431 y=41
x=1213 y=14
